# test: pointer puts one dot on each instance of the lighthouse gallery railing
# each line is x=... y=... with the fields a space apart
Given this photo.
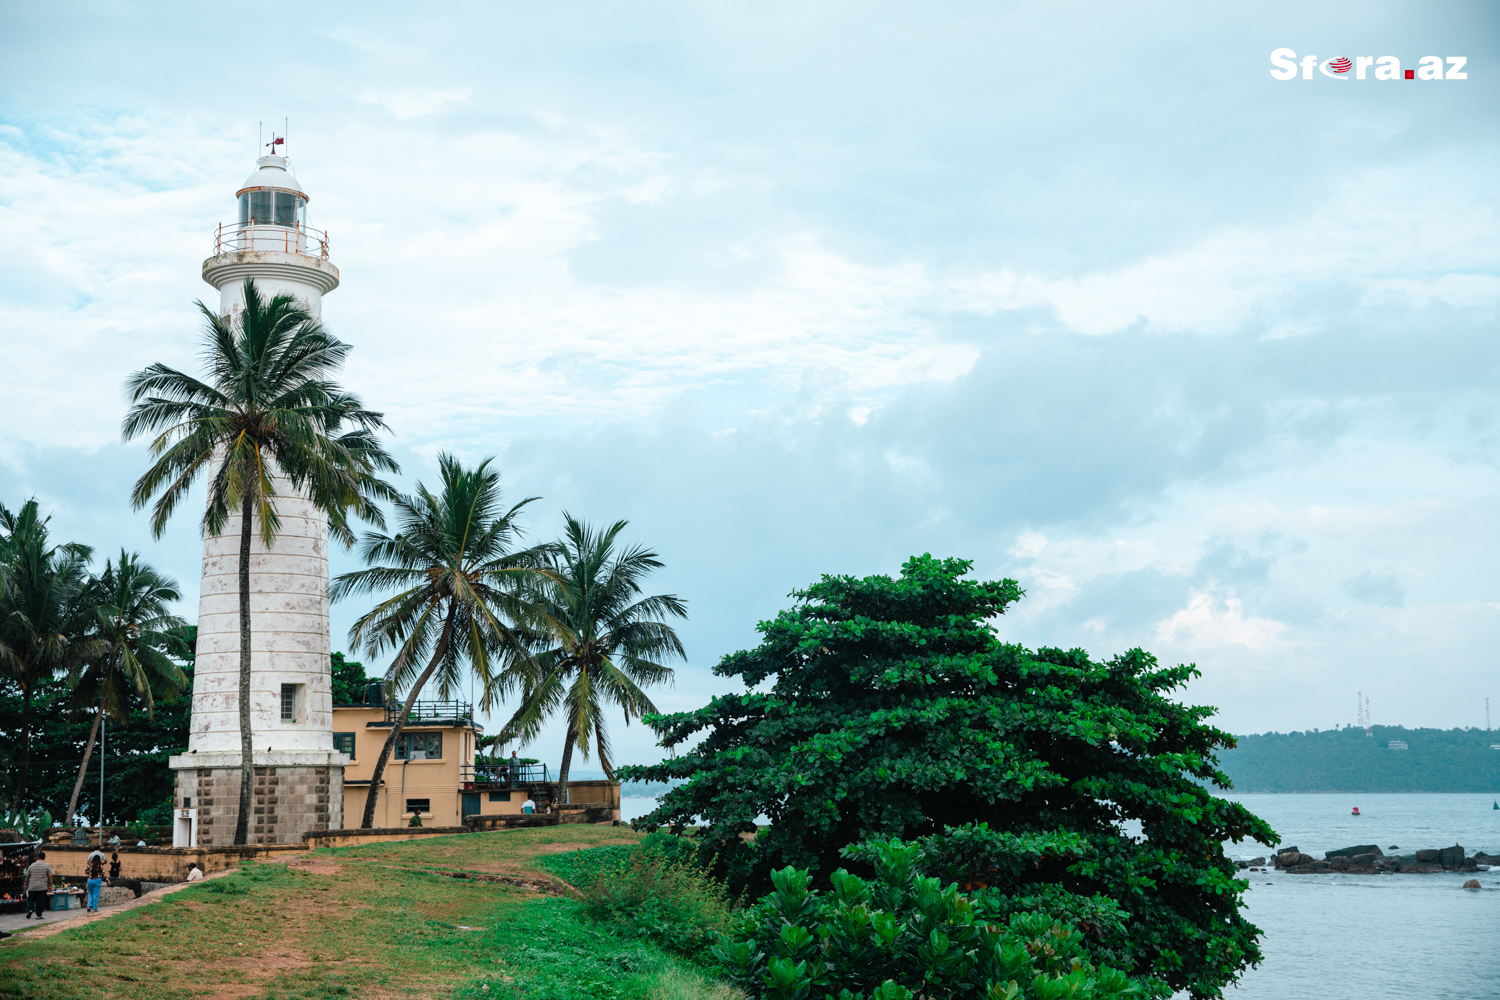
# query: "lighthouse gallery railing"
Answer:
x=236 y=236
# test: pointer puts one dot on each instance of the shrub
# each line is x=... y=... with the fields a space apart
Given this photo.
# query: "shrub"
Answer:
x=659 y=891
x=903 y=935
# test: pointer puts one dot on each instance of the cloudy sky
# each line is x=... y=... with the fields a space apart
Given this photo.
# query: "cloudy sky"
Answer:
x=1204 y=359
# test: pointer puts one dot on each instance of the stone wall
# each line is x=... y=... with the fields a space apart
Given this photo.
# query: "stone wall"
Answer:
x=164 y=864
x=351 y=838
x=288 y=802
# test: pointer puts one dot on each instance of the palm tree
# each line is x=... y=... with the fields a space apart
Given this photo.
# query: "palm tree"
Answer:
x=462 y=594
x=267 y=411
x=130 y=607
x=606 y=643
x=43 y=619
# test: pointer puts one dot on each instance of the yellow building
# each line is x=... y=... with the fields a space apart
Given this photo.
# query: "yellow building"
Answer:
x=433 y=772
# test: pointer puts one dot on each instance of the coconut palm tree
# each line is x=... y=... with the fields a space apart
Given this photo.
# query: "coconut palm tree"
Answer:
x=43 y=614
x=129 y=602
x=266 y=418
x=607 y=641
x=461 y=595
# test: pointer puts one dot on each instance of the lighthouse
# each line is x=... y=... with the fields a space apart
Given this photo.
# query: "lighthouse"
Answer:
x=298 y=774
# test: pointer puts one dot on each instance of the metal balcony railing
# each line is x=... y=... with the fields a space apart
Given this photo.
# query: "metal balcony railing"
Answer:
x=431 y=710
x=503 y=775
x=236 y=236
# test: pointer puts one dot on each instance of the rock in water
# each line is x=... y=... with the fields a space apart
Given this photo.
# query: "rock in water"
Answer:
x=1349 y=852
x=1473 y=883
x=1429 y=856
x=1451 y=857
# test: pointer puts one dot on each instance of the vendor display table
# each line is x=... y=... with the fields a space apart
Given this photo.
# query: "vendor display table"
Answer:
x=63 y=899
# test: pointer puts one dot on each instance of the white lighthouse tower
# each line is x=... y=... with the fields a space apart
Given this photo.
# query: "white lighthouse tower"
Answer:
x=298 y=775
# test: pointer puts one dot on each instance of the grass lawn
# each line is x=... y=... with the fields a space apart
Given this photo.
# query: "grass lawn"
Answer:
x=374 y=921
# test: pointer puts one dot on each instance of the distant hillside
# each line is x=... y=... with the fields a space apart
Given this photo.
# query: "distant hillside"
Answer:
x=1346 y=760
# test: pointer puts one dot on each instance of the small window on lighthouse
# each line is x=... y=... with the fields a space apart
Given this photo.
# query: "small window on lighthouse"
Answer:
x=291 y=702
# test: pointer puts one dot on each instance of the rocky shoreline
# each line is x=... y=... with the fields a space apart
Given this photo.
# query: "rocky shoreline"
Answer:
x=1369 y=859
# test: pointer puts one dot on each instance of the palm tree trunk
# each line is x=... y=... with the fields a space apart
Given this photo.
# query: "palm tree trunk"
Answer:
x=247 y=766
x=368 y=820
x=15 y=804
x=567 y=762
x=609 y=769
x=88 y=752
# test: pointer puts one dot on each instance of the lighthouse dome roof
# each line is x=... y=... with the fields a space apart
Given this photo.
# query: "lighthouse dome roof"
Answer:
x=273 y=172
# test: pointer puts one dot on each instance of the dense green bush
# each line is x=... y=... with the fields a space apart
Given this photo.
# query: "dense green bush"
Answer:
x=903 y=935
x=882 y=707
x=660 y=891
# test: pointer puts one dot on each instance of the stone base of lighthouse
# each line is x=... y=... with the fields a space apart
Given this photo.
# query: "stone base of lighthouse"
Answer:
x=295 y=792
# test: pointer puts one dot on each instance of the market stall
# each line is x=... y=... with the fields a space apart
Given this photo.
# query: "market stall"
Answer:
x=13 y=861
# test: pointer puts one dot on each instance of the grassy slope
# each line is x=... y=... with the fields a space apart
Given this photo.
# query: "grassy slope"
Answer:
x=373 y=921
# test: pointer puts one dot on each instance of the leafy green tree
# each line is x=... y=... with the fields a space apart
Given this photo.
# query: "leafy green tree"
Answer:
x=606 y=641
x=139 y=775
x=349 y=681
x=882 y=707
x=461 y=595
x=130 y=603
x=268 y=417
x=44 y=619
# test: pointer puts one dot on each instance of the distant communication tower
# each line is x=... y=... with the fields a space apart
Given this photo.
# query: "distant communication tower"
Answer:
x=1486 y=715
x=1362 y=712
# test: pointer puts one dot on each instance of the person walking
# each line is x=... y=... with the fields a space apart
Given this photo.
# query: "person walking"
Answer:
x=38 y=884
x=95 y=873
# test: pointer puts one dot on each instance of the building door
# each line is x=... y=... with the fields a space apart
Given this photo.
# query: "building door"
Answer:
x=471 y=803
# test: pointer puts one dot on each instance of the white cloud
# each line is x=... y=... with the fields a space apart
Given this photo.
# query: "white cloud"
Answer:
x=1363 y=234
x=404 y=105
x=1208 y=623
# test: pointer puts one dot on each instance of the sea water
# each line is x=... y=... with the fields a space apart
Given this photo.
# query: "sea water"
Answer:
x=1364 y=937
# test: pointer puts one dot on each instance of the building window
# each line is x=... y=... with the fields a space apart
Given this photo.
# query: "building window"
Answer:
x=187 y=802
x=419 y=746
x=419 y=805
x=291 y=697
x=344 y=743
x=499 y=796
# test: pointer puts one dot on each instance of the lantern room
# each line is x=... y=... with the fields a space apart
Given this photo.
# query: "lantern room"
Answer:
x=271 y=196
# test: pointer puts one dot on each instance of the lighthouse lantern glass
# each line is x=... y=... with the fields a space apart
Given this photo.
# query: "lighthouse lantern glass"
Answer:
x=273 y=208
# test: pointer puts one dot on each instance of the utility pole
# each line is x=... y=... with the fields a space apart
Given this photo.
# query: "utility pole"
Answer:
x=102 y=720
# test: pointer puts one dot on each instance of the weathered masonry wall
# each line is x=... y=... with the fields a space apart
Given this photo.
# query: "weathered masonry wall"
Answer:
x=288 y=801
x=163 y=864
